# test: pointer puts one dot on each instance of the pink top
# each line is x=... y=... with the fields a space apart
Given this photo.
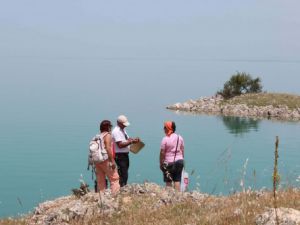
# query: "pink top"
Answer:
x=168 y=145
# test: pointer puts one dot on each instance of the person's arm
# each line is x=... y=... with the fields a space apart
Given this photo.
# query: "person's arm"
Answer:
x=129 y=141
x=107 y=143
x=162 y=154
x=182 y=151
x=123 y=144
x=161 y=158
x=119 y=138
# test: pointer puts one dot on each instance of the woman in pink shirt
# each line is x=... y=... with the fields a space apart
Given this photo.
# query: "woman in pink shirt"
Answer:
x=171 y=156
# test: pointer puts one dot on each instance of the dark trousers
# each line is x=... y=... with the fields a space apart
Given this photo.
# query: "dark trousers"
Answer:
x=122 y=160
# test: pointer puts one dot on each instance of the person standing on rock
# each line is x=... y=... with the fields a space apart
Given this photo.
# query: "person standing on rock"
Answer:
x=122 y=144
x=171 y=156
x=108 y=167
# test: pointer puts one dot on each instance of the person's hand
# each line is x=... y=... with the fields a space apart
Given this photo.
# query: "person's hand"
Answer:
x=130 y=141
x=136 y=140
x=112 y=165
x=161 y=166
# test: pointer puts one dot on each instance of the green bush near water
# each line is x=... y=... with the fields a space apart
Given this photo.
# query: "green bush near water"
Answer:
x=240 y=83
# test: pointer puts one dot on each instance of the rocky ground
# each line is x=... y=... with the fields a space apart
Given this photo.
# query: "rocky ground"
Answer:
x=142 y=203
x=217 y=106
x=66 y=209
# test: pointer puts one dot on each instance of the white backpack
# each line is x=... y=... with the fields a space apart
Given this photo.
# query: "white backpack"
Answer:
x=97 y=151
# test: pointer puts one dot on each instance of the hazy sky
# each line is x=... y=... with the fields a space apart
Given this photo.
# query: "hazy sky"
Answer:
x=57 y=54
x=249 y=29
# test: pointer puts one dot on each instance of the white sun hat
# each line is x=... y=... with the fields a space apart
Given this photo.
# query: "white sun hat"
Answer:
x=123 y=120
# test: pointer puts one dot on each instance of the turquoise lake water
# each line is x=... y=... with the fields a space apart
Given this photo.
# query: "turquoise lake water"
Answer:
x=50 y=108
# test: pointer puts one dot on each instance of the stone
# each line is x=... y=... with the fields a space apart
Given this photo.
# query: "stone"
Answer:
x=192 y=102
x=214 y=105
x=127 y=200
x=186 y=106
x=286 y=216
x=295 y=114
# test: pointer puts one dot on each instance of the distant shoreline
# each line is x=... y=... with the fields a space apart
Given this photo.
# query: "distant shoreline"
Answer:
x=263 y=105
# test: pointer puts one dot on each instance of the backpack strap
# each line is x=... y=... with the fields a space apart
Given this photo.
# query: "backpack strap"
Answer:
x=102 y=135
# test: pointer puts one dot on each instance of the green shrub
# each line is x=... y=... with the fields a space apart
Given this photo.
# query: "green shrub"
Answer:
x=240 y=83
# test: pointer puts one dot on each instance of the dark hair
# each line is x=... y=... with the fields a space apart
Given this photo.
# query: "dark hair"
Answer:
x=173 y=126
x=105 y=125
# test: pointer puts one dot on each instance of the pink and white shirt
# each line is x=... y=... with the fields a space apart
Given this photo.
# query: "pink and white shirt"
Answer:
x=168 y=145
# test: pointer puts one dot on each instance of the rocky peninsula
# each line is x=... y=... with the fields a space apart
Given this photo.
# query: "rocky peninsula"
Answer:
x=261 y=105
x=149 y=203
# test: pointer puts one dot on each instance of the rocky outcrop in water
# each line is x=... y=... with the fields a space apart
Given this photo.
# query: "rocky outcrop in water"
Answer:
x=217 y=106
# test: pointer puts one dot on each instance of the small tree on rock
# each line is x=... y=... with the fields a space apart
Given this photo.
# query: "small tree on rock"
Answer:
x=241 y=83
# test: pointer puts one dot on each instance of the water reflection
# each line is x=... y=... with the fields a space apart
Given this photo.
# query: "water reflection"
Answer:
x=240 y=125
x=235 y=125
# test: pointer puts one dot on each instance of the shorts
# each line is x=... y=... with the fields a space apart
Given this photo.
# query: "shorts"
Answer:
x=173 y=172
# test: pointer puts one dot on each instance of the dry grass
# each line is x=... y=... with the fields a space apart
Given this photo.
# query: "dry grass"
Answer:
x=13 y=222
x=264 y=99
x=241 y=208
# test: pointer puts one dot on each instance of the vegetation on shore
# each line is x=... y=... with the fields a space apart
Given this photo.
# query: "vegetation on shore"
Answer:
x=241 y=88
x=240 y=83
x=266 y=99
x=139 y=209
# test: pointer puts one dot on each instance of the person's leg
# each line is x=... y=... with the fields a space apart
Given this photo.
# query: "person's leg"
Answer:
x=177 y=185
x=177 y=174
x=101 y=185
x=113 y=177
x=126 y=161
x=95 y=185
x=120 y=168
x=114 y=181
x=122 y=161
x=169 y=184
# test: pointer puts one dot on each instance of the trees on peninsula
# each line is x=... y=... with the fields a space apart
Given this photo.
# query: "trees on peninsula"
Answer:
x=240 y=83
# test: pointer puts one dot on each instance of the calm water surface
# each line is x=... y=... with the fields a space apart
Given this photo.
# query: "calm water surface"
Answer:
x=51 y=108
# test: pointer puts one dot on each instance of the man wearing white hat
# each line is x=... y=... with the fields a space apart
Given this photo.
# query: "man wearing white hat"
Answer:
x=122 y=144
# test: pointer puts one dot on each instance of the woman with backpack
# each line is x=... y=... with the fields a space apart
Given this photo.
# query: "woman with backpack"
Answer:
x=108 y=167
x=171 y=156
